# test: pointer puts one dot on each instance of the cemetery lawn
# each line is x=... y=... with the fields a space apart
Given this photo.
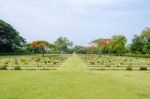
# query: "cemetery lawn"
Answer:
x=74 y=81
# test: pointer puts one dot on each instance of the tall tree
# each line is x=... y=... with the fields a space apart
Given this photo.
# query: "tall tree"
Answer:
x=146 y=34
x=62 y=44
x=141 y=43
x=10 y=40
x=103 y=45
x=137 y=44
x=119 y=42
x=146 y=37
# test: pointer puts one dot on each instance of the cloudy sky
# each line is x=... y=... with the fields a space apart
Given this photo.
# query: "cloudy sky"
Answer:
x=79 y=20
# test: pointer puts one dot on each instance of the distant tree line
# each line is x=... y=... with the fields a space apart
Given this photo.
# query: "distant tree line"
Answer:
x=12 y=42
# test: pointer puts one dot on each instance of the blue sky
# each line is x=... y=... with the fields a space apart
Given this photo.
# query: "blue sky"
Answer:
x=79 y=20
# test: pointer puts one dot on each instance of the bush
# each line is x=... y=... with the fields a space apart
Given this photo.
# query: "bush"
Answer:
x=17 y=68
x=55 y=63
x=98 y=62
x=92 y=63
x=143 y=68
x=137 y=55
x=107 y=66
x=129 y=68
x=4 y=67
x=117 y=65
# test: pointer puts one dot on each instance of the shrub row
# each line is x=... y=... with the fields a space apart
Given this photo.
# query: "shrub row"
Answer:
x=141 y=68
x=137 y=55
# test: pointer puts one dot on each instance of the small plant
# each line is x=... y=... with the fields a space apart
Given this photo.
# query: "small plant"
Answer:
x=107 y=66
x=55 y=63
x=23 y=60
x=129 y=68
x=121 y=63
x=48 y=61
x=17 y=68
x=45 y=62
x=4 y=67
x=103 y=69
x=98 y=62
x=38 y=60
x=16 y=62
x=143 y=68
x=92 y=63
x=117 y=65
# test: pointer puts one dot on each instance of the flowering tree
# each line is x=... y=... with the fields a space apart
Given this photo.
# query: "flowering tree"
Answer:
x=41 y=46
x=103 y=45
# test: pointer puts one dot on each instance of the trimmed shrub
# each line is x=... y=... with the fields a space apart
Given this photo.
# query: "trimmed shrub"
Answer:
x=143 y=68
x=117 y=65
x=107 y=66
x=92 y=63
x=129 y=68
x=55 y=63
x=17 y=68
x=4 y=67
x=98 y=62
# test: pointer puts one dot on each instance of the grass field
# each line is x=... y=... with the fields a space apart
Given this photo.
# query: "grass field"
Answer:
x=74 y=80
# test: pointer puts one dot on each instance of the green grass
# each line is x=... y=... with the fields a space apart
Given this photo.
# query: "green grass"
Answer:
x=74 y=81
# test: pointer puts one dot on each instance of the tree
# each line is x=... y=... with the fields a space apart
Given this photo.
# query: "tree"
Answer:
x=146 y=48
x=137 y=44
x=119 y=42
x=10 y=40
x=103 y=45
x=97 y=42
x=141 y=43
x=29 y=47
x=80 y=49
x=145 y=35
x=62 y=44
x=41 y=46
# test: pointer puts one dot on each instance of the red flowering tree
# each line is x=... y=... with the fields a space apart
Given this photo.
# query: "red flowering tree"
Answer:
x=41 y=46
x=103 y=45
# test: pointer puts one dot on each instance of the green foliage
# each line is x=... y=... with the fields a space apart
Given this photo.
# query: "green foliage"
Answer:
x=143 y=68
x=4 y=67
x=129 y=68
x=17 y=68
x=62 y=44
x=80 y=49
x=10 y=40
x=137 y=55
x=141 y=43
x=137 y=44
x=146 y=34
x=119 y=44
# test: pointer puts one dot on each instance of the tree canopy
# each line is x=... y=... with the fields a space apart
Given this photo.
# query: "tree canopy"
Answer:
x=10 y=39
x=62 y=44
x=42 y=46
x=119 y=43
x=141 y=43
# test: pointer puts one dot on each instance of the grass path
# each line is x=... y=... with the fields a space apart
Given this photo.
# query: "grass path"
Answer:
x=73 y=63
